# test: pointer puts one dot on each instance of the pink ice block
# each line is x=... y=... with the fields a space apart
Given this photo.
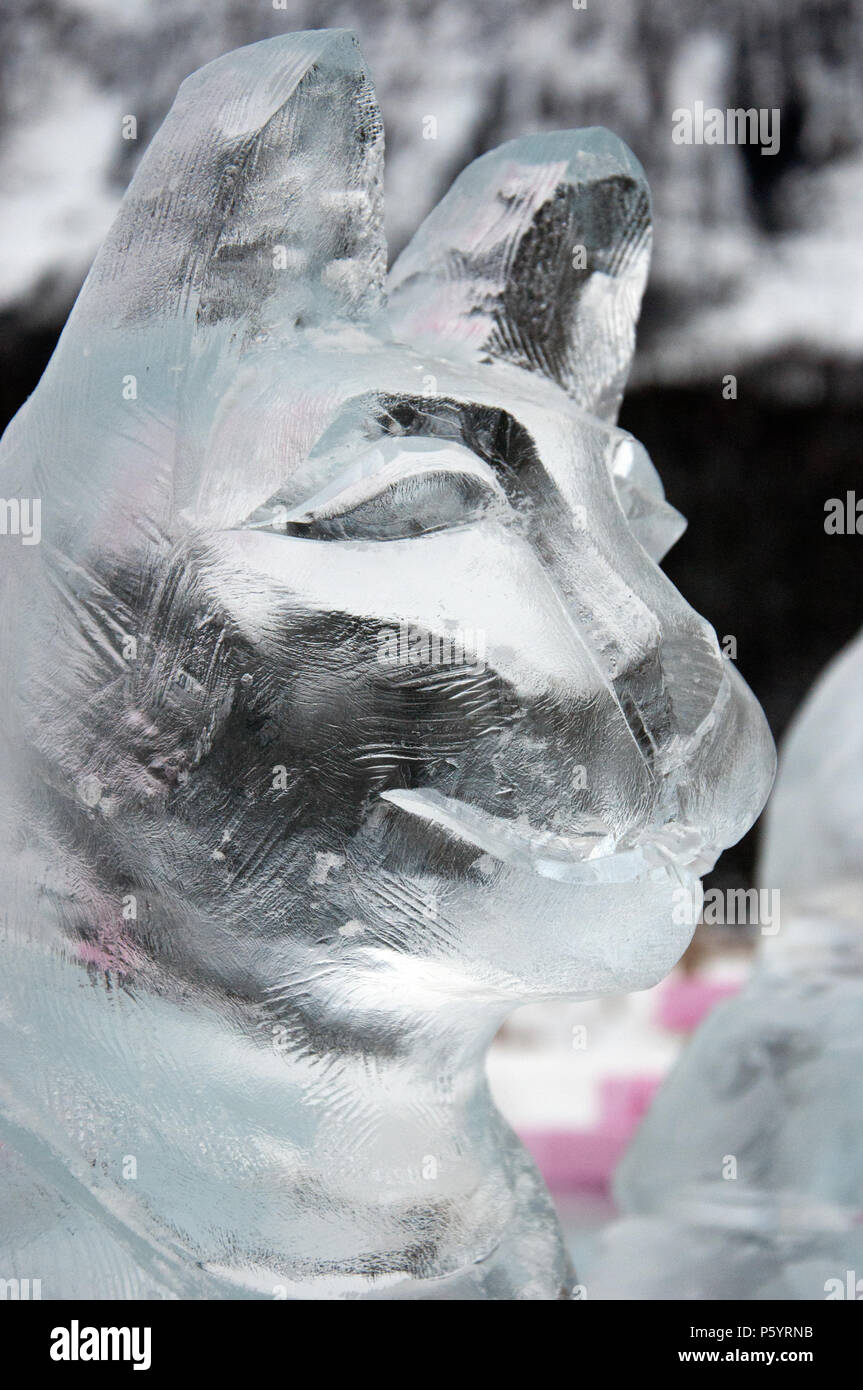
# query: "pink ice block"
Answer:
x=687 y=999
x=571 y=1160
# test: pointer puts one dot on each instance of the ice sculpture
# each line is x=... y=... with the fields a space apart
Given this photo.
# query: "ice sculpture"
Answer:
x=346 y=706
x=746 y=1178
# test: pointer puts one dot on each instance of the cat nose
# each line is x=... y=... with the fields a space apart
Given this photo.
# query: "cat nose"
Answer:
x=670 y=694
x=693 y=673
x=727 y=774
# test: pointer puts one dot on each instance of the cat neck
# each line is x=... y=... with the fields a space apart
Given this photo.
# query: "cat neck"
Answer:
x=222 y=1153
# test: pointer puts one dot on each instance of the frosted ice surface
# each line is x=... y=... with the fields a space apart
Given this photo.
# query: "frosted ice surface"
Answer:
x=538 y=255
x=345 y=705
x=772 y=1079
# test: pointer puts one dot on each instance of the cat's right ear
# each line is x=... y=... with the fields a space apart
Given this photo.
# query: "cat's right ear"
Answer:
x=536 y=257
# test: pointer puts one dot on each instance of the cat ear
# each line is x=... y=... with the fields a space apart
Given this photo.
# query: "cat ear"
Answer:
x=538 y=256
x=255 y=215
x=259 y=201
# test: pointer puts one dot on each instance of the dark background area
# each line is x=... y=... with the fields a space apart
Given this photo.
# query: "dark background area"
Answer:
x=752 y=476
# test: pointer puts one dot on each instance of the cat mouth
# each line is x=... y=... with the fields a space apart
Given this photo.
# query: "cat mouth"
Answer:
x=590 y=854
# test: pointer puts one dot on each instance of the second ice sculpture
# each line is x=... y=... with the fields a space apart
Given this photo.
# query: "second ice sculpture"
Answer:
x=345 y=705
x=746 y=1177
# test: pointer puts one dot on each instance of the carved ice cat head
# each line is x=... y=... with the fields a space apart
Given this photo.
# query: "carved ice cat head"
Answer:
x=345 y=666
